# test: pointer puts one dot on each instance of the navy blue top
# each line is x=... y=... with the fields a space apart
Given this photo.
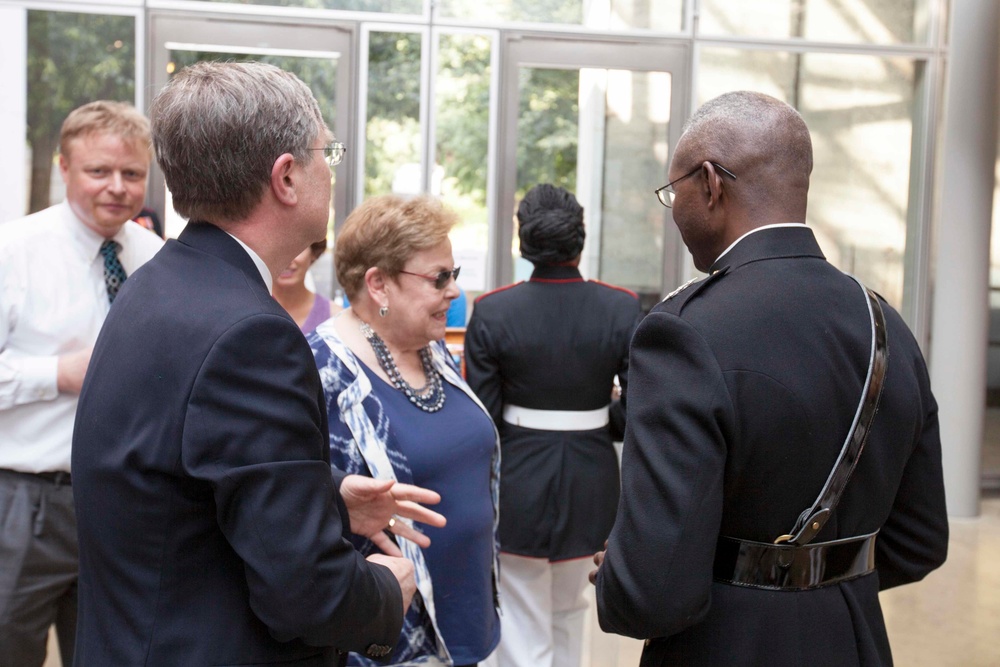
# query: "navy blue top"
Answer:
x=450 y=451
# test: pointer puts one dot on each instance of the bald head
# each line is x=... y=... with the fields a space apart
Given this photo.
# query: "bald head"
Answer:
x=762 y=140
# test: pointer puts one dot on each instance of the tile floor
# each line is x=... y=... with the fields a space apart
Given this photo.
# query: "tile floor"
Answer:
x=951 y=619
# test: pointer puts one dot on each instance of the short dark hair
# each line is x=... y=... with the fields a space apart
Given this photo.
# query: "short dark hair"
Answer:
x=550 y=225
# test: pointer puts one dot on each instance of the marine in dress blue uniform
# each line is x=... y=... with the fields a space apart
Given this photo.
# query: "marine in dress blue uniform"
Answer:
x=743 y=387
x=542 y=355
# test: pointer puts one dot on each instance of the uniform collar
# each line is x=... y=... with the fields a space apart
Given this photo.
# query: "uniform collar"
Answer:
x=551 y=273
x=770 y=242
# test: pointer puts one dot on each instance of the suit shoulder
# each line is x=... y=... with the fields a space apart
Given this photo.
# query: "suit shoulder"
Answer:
x=615 y=288
x=499 y=290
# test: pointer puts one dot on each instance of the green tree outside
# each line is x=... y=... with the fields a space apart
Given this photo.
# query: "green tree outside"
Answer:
x=73 y=59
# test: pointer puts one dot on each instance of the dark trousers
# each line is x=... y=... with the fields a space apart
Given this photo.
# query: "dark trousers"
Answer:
x=38 y=568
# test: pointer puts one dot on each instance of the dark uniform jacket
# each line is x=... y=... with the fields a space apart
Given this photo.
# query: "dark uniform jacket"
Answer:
x=210 y=526
x=554 y=342
x=743 y=389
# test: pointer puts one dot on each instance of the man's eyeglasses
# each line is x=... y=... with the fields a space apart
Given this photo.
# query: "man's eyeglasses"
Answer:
x=333 y=153
x=666 y=193
x=441 y=279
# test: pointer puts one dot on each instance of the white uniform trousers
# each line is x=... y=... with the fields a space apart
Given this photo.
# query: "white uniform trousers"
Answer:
x=542 y=611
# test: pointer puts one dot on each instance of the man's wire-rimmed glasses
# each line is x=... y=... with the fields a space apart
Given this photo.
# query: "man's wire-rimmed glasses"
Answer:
x=666 y=194
x=333 y=153
x=441 y=279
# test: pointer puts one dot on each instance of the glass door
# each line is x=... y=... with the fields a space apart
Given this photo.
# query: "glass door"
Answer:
x=318 y=53
x=599 y=120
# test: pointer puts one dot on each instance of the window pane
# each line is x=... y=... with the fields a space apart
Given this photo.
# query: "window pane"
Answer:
x=995 y=246
x=635 y=163
x=855 y=21
x=392 y=148
x=387 y=6
x=659 y=15
x=859 y=111
x=548 y=135
x=462 y=122
x=601 y=134
x=72 y=59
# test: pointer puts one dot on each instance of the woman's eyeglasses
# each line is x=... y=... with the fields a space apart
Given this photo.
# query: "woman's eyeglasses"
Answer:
x=441 y=279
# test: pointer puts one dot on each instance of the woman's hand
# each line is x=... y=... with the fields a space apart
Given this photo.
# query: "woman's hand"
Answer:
x=378 y=505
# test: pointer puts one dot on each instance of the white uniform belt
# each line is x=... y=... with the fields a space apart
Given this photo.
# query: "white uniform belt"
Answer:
x=556 y=420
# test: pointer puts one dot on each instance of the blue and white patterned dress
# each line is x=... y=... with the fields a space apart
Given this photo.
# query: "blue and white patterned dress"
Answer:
x=360 y=406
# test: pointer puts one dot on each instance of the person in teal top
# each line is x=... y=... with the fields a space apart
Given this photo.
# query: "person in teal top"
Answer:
x=457 y=310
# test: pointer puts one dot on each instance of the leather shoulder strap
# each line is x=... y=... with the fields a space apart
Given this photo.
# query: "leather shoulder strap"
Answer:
x=812 y=520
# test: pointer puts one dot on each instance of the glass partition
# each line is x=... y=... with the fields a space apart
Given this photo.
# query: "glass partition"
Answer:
x=392 y=127
x=636 y=157
x=658 y=15
x=386 y=6
x=603 y=135
x=548 y=135
x=462 y=103
x=856 y=21
x=72 y=59
x=320 y=53
x=860 y=113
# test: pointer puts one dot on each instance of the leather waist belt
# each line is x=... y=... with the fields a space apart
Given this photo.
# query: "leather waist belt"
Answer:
x=796 y=568
x=556 y=420
x=59 y=478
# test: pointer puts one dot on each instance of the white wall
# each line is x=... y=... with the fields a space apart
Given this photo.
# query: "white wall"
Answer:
x=13 y=112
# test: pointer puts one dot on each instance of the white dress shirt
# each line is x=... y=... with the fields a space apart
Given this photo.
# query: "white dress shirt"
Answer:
x=53 y=301
x=258 y=262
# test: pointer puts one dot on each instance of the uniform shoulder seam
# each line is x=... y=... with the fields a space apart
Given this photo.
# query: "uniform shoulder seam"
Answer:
x=618 y=288
x=680 y=296
x=496 y=291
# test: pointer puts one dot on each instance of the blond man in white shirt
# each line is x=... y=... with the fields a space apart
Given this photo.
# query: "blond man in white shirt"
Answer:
x=54 y=296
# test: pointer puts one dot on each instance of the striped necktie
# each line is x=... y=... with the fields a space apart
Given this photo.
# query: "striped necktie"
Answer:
x=114 y=272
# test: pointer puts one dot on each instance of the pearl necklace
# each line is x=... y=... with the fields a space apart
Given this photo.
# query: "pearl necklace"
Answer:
x=430 y=397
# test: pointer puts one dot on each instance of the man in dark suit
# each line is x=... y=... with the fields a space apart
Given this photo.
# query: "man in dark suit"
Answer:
x=211 y=531
x=743 y=388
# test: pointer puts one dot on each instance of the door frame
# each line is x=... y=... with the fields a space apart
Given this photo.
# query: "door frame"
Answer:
x=532 y=49
x=247 y=34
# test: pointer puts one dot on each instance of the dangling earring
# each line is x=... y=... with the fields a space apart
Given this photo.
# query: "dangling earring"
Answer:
x=383 y=311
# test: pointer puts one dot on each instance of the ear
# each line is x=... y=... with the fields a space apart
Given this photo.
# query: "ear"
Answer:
x=713 y=184
x=376 y=283
x=63 y=166
x=284 y=180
